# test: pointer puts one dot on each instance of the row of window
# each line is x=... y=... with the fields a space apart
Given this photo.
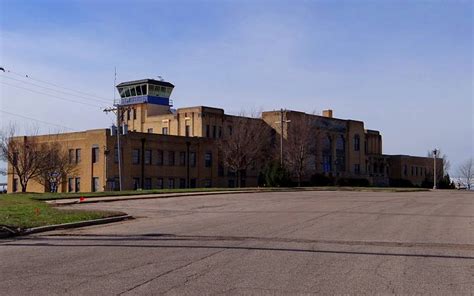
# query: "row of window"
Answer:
x=157 y=157
x=74 y=184
x=415 y=171
x=74 y=155
x=169 y=183
x=143 y=90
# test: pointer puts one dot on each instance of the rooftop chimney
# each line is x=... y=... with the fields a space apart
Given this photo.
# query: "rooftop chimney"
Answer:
x=327 y=113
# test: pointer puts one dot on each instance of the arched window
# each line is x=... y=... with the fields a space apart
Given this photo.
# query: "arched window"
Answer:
x=340 y=154
x=356 y=143
x=327 y=154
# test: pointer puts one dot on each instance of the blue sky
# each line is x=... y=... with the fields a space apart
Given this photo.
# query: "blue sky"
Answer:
x=403 y=67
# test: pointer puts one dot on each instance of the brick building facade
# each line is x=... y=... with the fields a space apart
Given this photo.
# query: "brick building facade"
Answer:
x=168 y=148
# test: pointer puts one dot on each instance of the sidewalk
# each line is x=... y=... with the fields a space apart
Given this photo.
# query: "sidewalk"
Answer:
x=70 y=201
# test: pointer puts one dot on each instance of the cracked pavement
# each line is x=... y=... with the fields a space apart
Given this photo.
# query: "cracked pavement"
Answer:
x=274 y=243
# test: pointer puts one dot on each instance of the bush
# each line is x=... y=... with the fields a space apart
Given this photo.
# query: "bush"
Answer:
x=354 y=182
x=274 y=175
x=400 y=183
x=443 y=183
x=321 y=180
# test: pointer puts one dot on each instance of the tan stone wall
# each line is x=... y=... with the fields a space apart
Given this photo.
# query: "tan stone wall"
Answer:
x=413 y=168
x=85 y=169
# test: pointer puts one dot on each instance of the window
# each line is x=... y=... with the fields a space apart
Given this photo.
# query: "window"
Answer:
x=170 y=183
x=135 y=156
x=159 y=158
x=160 y=183
x=116 y=155
x=192 y=183
x=327 y=155
x=78 y=184
x=171 y=161
x=192 y=159
x=139 y=90
x=128 y=114
x=187 y=130
x=208 y=159
x=182 y=158
x=412 y=171
x=134 y=113
x=71 y=155
x=182 y=183
x=15 y=185
x=208 y=131
x=150 y=130
x=356 y=143
x=133 y=93
x=147 y=183
x=144 y=89
x=214 y=131
x=405 y=170
x=147 y=156
x=220 y=132
x=136 y=183
x=357 y=169
x=70 y=184
x=78 y=155
x=340 y=154
x=416 y=171
x=164 y=130
x=230 y=130
x=231 y=183
x=95 y=184
x=15 y=158
x=366 y=147
x=95 y=154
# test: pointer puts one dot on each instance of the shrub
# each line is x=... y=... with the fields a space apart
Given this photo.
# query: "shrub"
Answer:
x=400 y=183
x=355 y=182
x=321 y=180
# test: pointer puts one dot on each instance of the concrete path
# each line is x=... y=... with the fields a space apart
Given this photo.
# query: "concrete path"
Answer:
x=281 y=243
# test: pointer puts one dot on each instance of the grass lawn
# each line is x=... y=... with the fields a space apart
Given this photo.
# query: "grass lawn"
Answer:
x=22 y=211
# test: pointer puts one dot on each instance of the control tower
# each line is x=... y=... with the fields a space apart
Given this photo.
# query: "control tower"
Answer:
x=143 y=98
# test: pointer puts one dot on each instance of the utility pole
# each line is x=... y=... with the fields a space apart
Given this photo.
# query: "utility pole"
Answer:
x=117 y=111
x=281 y=123
x=435 y=152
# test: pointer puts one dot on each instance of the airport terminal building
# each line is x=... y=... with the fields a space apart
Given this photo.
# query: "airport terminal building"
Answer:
x=162 y=147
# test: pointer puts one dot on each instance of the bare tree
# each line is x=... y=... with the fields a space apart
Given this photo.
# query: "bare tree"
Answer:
x=466 y=171
x=244 y=144
x=57 y=165
x=24 y=155
x=300 y=147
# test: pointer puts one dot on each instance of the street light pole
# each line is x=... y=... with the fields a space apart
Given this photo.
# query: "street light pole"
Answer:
x=281 y=123
x=435 y=152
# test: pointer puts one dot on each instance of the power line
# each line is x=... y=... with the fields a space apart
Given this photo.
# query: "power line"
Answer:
x=54 y=84
x=38 y=120
x=52 y=89
x=54 y=96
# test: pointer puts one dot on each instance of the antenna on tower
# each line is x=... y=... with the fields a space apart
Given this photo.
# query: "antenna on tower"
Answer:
x=115 y=81
x=160 y=78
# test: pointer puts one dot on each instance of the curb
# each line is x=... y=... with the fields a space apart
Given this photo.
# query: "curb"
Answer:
x=164 y=195
x=51 y=202
x=66 y=226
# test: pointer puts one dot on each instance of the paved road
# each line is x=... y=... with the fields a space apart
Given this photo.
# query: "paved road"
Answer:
x=264 y=243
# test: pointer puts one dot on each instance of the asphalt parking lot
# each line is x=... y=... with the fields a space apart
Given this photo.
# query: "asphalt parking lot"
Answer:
x=262 y=243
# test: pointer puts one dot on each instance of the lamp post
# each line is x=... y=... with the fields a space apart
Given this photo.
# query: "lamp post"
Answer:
x=281 y=123
x=435 y=153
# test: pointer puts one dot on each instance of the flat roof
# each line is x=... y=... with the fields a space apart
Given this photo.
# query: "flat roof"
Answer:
x=148 y=81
